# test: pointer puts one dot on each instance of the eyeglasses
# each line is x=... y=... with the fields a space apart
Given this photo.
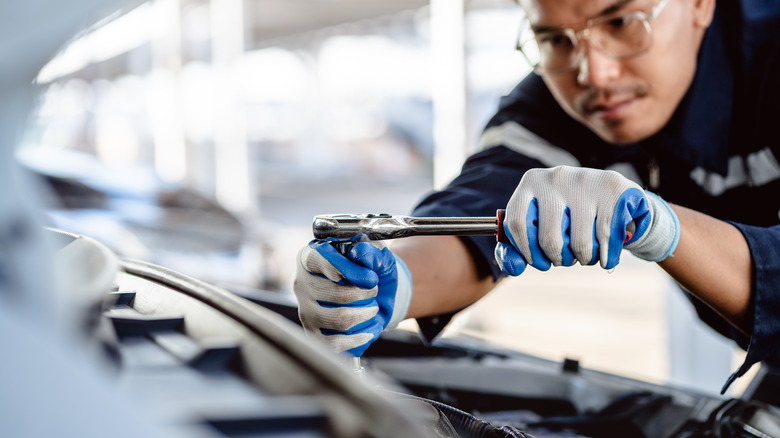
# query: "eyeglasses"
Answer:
x=620 y=36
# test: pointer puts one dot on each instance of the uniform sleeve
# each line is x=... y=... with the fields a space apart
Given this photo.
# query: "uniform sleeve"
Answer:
x=762 y=346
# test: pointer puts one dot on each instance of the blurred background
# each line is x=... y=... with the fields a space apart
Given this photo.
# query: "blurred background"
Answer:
x=204 y=135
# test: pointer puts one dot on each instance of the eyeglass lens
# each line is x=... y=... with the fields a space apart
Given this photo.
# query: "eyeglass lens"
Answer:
x=619 y=37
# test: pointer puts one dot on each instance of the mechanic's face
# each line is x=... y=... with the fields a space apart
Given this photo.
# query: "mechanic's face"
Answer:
x=627 y=100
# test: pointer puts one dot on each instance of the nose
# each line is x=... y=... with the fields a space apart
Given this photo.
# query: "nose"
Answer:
x=596 y=69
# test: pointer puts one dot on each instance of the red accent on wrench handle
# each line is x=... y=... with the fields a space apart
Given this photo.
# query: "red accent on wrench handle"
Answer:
x=500 y=235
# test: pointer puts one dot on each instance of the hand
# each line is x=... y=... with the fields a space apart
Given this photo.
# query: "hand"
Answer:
x=562 y=215
x=348 y=300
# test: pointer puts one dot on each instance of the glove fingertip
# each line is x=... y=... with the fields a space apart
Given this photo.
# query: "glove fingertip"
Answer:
x=374 y=259
x=509 y=260
x=354 y=271
x=358 y=351
x=610 y=262
x=541 y=266
x=369 y=281
x=375 y=330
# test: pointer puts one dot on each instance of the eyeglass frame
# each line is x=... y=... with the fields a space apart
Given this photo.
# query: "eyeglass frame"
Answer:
x=578 y=36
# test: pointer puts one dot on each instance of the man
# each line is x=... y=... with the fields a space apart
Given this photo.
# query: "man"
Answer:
x=676 y=97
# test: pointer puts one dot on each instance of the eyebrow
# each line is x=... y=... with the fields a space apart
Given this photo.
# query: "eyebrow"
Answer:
x=614 y=7
x=618 y=5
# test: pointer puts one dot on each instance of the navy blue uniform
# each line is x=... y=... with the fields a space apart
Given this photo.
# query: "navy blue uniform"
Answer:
x=718 y=155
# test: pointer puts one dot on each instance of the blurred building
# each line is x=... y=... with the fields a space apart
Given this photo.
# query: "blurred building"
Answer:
x=224 y=95
x=237 y=101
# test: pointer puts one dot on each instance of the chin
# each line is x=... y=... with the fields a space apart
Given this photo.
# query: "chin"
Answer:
x=620 y=138
x=622 y=132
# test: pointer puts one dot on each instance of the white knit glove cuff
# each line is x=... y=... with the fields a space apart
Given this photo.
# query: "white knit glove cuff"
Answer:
x=403 y=293
x=660 y=240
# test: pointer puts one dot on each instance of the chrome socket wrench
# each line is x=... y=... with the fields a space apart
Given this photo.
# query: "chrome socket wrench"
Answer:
x=343 y=227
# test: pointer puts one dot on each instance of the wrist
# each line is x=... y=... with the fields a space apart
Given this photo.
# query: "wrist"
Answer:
x=403 y=293
x=660 y=240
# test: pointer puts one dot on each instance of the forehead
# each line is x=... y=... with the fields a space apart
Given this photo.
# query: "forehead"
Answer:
x=571 y=12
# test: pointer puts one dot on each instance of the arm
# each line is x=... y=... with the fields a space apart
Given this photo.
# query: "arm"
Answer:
x=443 y=273
x=564 y=215
x=713 y=262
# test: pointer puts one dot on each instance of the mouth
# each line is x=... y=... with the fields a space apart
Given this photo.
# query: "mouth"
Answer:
x=609 y=112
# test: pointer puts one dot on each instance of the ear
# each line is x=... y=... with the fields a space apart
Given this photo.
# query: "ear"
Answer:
x=703 y=11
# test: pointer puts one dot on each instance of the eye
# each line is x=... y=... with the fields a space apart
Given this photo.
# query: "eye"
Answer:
x=622 y=27
x=617 y=23
x=556 y=40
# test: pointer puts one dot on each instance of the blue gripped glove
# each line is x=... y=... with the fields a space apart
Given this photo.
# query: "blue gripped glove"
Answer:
x=348 y=300
x=562 y=215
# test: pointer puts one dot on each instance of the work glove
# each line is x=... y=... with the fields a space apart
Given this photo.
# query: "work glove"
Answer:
x=347 y=300
x=562 y=215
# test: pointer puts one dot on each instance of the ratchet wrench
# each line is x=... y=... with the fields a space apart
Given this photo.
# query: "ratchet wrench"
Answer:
x=343 y=227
